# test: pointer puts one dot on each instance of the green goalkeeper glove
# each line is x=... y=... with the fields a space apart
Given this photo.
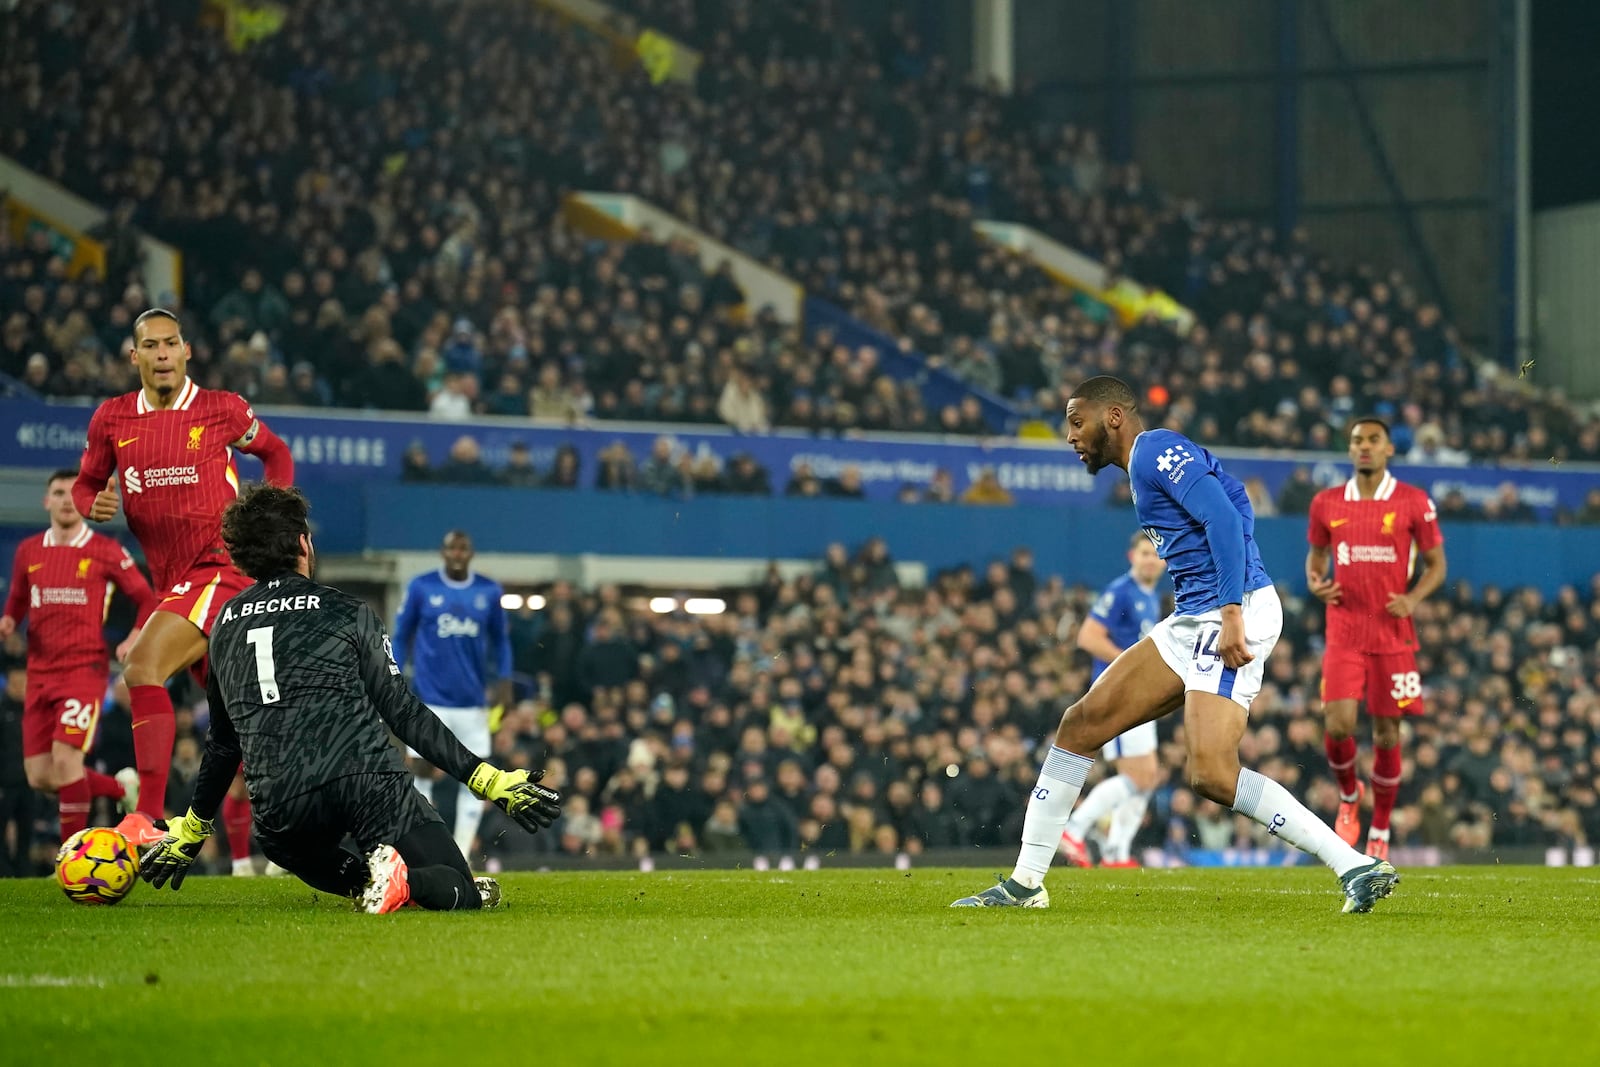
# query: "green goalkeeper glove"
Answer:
x=518 y=794
x=172 y=855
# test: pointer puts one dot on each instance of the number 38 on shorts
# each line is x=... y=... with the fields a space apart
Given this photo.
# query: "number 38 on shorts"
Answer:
x=1389 y=683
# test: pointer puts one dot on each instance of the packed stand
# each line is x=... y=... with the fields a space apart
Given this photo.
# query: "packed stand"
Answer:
x=839 y=711
x=901 y=158
x=393 y=264
x=362 y=181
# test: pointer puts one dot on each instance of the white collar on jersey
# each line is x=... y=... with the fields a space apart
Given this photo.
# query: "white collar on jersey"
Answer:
x=465 y=583
x=186 y=397
x=77 y=540
x=1385 y=488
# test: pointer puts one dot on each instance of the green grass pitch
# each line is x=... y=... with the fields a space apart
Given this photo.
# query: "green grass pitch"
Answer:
x=1461 y=966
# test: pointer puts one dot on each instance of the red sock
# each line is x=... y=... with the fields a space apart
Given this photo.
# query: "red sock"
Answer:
x=1342 y=758
x=154 y=729
x=1385 y=784
x=72 y=801
x=236 y=820
x=102 y=785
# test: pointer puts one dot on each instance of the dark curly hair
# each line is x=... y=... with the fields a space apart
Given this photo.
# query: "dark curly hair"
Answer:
x=262 y=529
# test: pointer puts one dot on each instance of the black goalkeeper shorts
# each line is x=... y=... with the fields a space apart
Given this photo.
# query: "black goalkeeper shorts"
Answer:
x=375 y=809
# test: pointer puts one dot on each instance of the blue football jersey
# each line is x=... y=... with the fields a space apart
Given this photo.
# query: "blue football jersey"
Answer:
x=1163 y=470
x=1128 y=611
x=454 y=635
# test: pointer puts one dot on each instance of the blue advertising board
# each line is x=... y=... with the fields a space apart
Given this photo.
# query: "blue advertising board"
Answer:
x=348 y=447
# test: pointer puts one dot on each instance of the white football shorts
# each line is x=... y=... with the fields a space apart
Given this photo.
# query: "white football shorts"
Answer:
x=1139 y=741
x=1188 y=644
x=470 y=725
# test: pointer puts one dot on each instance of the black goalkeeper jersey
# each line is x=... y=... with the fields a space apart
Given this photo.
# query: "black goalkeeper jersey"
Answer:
x=302 y=685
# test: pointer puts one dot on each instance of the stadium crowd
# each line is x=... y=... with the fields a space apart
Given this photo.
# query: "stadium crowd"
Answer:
x=404 y=247
x=841 y=712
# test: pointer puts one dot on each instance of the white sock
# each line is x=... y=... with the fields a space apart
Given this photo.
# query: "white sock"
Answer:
x=425 y=787
x=1271 y=805
x=1125 y=823
x=469 y=812
x=1060 y=782
x=1100 y=802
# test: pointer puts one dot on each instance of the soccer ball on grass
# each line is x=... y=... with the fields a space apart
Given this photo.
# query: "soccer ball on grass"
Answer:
x=97 y=866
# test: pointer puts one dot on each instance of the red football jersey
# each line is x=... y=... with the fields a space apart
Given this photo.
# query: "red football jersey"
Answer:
x=1375 y=543
x=177 y=471
x=62 y=589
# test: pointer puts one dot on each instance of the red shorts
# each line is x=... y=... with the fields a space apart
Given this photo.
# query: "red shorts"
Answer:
x=200 y=594
x=1388 y=681
x=61 y=707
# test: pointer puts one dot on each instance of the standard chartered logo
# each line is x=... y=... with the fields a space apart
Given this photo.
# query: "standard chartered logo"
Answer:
x=67 y=595
x=450 y=626
x=1348 y=554
x=137 y=481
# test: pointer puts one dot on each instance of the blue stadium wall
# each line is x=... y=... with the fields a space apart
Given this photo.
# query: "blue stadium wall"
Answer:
x=1082 y=544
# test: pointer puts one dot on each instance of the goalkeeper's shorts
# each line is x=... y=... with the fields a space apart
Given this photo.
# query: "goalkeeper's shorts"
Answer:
x=374 y=808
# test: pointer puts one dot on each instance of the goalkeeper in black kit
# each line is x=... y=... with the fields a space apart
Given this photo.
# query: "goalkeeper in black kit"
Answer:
x=302 y=685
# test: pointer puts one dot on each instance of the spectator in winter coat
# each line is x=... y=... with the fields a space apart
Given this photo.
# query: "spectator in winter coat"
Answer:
x=766 y=825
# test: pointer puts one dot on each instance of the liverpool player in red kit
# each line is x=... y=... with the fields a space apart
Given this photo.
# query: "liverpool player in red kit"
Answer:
x=1372 y=527
x=173 y=443
x=61 y=583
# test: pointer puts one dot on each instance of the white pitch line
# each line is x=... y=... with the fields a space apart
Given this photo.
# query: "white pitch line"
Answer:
x=35 y=981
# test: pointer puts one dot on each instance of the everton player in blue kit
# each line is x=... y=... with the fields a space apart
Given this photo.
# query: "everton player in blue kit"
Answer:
x=1127 y=610
x=453 y=630
x=1206 y=657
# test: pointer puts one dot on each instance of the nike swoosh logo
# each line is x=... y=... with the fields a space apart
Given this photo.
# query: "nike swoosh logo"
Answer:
x=1404 y=703
x=34 y=566
x=125 y=444
x=1336 y=522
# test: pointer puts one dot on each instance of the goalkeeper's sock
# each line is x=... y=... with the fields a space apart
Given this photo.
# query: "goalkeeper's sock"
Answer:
x=440 y=887
x=72 y=803
x=102 y=785
x=1060 y=782
x=154 y=729
x=1386 y=766
x=236 y=818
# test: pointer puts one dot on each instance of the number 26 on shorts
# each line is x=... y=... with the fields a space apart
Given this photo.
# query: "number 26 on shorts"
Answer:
x=77 y=715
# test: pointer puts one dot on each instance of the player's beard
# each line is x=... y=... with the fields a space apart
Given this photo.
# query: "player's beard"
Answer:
x=1094 y=450
x=311 y=561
